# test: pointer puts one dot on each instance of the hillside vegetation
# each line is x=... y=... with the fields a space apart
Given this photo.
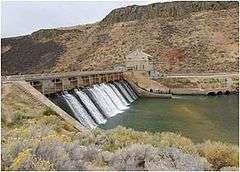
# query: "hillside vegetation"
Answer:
x=182 y=37
x=34 y=138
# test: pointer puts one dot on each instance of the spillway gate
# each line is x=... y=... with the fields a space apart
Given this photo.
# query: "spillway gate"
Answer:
x=54 y=82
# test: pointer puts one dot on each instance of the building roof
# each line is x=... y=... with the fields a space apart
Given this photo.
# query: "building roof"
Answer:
x=137 y=54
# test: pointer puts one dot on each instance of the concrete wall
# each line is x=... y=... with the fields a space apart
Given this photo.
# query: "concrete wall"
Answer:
x=39 y=97
x=200 y=84
x=142 y=85
x=182 y=91
x=139 y=65
x=142 y=80
x=184 y=85
x=145 y=93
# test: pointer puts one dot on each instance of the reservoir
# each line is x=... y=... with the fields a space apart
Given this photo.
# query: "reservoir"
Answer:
x=196 y=117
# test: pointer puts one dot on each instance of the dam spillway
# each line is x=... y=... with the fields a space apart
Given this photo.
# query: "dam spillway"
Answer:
x=93 y=105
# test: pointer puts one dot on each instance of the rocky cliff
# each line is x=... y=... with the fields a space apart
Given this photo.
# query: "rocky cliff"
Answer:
x=163 y=10
x=181 y=36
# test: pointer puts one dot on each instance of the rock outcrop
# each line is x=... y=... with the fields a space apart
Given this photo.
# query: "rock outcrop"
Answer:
x=164 y=10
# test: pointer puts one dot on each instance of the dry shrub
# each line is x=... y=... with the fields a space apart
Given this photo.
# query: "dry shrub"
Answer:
x=147 y=157
x=42 y=165
x=13 y=118
x=90 y=155
x=10 y=151
x=219 y=154
x=32 y=135
x=229 y=169
x=63 y=128
x=52 y=150
x=23 y=161
x=26 y=161
x=49 y=112
x=120 y=137
x=175 y=140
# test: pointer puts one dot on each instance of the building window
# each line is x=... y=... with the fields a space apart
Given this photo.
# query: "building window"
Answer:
x=56 y=80
x=72 y=78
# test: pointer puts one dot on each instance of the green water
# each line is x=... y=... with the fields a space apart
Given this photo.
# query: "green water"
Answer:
x=197 y=117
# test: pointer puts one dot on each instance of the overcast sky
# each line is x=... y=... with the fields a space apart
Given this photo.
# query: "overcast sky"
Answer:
x=21 y=18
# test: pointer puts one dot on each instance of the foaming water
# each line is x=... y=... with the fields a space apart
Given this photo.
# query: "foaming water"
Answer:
x=96 y=104
x=95 y=113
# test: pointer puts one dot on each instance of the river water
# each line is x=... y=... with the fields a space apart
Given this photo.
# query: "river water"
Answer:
x=197 y=117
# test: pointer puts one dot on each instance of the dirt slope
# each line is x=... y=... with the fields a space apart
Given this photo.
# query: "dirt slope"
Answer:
x=182 y=37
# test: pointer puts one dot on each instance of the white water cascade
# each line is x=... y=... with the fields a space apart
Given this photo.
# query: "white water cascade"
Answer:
x=100 y=100
x=116 y=100
x=134 y=93
x=130 y=91
x=108 y=100
x=94 y=104
x=124 y=91
x=95 y=113
x=119 y=95
x=79 y=111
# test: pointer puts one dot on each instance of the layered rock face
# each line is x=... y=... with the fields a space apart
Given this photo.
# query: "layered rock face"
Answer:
x=163 y=10
x=181 y=36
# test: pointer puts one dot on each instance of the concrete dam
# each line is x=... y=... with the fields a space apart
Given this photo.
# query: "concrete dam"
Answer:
x=87 y=99
x=84 y=99
x=93 y=105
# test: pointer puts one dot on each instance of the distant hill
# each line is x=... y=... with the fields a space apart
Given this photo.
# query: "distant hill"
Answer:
x=182 y=37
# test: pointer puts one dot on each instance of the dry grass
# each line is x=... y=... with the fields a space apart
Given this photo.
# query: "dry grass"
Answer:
x=120 y=137
x=219 y=154
x=169 y=139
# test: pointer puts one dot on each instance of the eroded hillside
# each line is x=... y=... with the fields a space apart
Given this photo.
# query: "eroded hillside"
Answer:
x=198 y=37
